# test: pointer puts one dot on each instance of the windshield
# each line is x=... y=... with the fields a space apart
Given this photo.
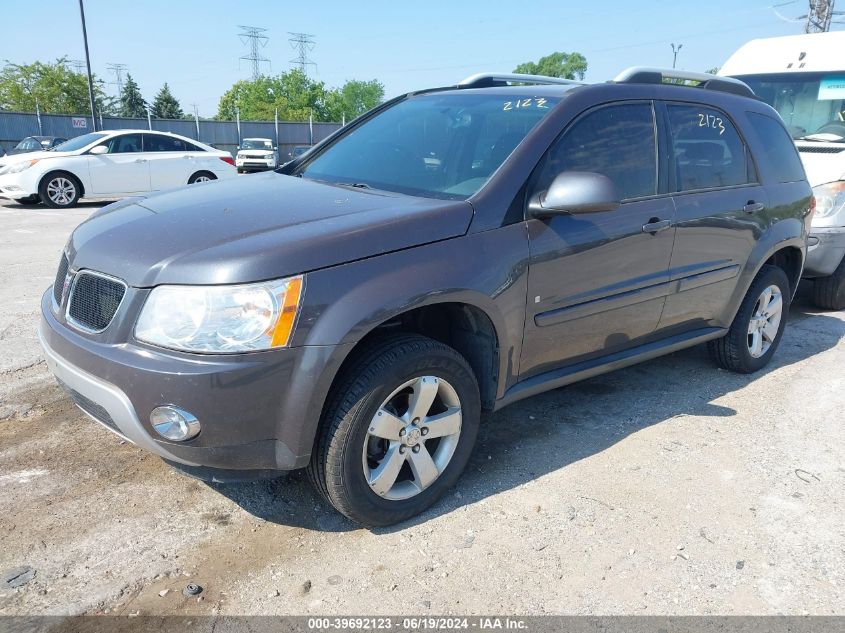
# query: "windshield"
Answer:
x=253 y=144
x=79 y=142
x=809 y=103
x=437 y=146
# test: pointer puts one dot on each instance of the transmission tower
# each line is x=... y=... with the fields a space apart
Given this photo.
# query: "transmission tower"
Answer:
x=254 y=37
x=117 y=69
x=78 y=65
x=302 y=44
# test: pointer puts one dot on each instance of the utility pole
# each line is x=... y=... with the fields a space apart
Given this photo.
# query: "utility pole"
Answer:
x=302 y=44
x=675 y=52
x=197 y=118
x=117 y=69
x=820 y=16
x=88 y=65
x=254 y=37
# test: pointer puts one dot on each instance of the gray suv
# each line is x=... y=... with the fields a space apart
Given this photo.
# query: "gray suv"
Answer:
x=450 y=252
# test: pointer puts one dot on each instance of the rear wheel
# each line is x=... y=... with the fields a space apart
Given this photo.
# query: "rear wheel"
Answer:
x=201 y=176
x=398 y=431
x=829 y=292
x=60 y=190
x=758 y=327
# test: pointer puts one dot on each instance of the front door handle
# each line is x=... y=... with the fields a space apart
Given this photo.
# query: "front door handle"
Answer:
x=753 y=207
x=655 y=225
x=140 y=160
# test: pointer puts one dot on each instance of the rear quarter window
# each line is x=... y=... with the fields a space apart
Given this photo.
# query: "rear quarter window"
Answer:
x=783 y=160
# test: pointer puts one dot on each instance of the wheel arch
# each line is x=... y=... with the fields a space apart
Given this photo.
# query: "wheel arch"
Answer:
x=63 y=170
x=200 y=172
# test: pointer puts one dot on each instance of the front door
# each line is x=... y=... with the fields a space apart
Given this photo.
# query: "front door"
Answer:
x=597 y=282
x=124 y=169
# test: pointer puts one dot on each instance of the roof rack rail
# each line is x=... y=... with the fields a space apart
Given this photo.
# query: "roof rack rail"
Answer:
x=644 y=75
x=487 y=80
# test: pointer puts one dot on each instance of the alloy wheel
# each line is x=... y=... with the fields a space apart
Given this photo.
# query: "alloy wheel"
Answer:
x=61 y=191
x=765 y=321
x=412 y=438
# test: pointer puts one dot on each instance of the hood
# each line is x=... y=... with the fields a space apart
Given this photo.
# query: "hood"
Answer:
x=254 y=228
x=24 y=156
x=822 y=167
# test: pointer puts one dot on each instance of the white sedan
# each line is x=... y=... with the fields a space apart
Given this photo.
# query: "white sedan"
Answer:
x=111 y=164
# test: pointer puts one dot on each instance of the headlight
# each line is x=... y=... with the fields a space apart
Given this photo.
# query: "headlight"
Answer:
x=830 y=198
x=221 y=319
x=19 y=167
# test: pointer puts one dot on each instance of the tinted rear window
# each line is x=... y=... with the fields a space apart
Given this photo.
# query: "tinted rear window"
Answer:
x=782 y=156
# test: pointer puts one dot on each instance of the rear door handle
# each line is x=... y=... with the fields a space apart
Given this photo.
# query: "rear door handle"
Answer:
x=656 y=225
x=753 y=207
x=140 y=160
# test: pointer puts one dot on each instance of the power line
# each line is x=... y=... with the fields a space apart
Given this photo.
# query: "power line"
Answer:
x=117 y=69
x=253 y=36
x=78 y=65
x=820 y=16
x=302 y=44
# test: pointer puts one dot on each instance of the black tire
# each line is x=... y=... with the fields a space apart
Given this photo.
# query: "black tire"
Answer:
x=201 y=176
x=46 y=190
x=732 y=350
x=336 y=469
x=829 y=292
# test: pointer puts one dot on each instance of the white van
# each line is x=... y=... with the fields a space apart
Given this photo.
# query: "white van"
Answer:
x=803 y=78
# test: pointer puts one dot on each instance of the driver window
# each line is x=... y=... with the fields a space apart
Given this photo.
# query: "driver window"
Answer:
x=618 y=141
x=125 y=144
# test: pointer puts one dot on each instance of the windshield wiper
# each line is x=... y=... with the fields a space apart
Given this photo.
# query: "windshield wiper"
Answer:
x=355 y=185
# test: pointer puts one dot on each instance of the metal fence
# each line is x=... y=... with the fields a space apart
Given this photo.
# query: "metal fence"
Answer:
x=221 y=134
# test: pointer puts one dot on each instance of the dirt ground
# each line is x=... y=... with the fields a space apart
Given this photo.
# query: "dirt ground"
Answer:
x=667 y=488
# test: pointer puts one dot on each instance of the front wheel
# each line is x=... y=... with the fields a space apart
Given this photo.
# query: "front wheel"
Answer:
x=758 y=327
x=398 y=431
x=60 y=190
x=829 y=292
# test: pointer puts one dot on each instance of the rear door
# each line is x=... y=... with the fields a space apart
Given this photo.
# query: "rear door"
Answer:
x=597 y=282
x=720 y=212
x=124 y=169
x=171 y=162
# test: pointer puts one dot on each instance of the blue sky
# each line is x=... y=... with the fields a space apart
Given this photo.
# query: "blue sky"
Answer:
x=193 y=44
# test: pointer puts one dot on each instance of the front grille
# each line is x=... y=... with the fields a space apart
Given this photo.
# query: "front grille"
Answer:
x=820 y=149
x=94 y=300
x=59 y=284
x=90 y=407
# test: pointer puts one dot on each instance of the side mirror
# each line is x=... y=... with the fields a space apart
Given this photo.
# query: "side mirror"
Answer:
x=575 y=192
x=98 y=150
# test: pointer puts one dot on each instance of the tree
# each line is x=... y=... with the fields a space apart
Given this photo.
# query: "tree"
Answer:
x=296 y=97
x=132 y=104
x=565 y=65
x=712 y=71
x=55 y=86
x=353 y=99
x=165 y=105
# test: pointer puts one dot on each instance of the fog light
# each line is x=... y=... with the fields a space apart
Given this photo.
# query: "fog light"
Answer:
x=174 y=424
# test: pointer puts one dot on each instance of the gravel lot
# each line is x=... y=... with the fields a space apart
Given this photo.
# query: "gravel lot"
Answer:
x=667 y=488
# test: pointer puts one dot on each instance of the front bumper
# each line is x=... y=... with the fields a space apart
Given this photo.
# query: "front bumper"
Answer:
x=14 y=186
x=258 y=411
x=255 y=163
x=825 y=250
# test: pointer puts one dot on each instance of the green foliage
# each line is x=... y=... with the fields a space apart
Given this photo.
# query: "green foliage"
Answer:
x=165 y=105
x=565 y=65
x=131 y=103
x=296 y=96
x=57 y=88
x=712 y=71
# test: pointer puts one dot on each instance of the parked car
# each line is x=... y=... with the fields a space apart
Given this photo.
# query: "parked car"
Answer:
x=111 y=165
x=299 y=150
x=355 y=311
x=36 y=144
x=256 y=154
x=803 y=78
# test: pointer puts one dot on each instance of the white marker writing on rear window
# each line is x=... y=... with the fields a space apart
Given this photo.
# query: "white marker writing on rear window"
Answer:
x=525 y=103
x=712 y=121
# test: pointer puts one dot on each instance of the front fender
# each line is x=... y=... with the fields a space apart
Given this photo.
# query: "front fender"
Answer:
x=486 y=270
